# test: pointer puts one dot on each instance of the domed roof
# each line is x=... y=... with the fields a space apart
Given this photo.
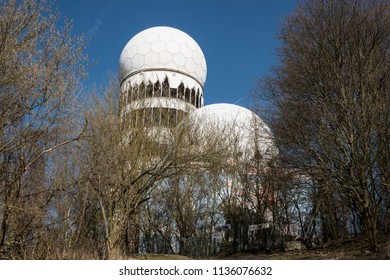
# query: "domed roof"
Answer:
x=245 y=131
x=163 y=48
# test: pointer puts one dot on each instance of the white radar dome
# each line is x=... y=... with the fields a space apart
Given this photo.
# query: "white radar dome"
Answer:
x=165 y=49
x=245 y=132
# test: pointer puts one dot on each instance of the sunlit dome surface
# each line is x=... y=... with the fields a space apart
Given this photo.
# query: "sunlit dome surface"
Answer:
x=245 y=131
x=163 y=48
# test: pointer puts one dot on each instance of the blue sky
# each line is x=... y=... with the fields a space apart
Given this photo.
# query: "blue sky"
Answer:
x=237 y=37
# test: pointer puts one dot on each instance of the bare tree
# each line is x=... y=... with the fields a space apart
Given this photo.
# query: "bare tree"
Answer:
x=125 y=166
x=40 y=66
x=331 y=99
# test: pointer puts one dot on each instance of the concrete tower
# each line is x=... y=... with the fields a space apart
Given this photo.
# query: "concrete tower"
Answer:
x=162 y=71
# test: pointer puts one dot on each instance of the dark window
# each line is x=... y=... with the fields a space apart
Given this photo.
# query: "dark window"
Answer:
x=128 y=97
x=197 y=99
x=179 y=115
x=187 y=99
x=141 y=92
x=172 y=117
x=149 y=90
x=193 y=96
x=157 y=89
x=134 y=93
x=164 y=116
x=148 y=116
x=165 y=88
x=156 y=116
x=180 y=92
x=173 y=93
x=140 y=117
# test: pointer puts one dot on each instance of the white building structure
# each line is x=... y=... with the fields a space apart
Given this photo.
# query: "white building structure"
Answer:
x=162 y=71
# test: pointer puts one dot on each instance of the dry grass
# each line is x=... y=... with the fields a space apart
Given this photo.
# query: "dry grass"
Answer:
x=158 y=257
x=353 y=249
x=346 y=250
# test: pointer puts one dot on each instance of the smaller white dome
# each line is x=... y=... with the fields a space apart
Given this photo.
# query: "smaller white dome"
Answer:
x=245 y=132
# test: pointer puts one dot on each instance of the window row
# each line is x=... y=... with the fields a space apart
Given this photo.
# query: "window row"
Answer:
x=142 y=91
x=153 y=117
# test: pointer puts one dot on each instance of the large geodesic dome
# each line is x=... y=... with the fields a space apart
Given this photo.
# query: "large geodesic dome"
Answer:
x=163 y=48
